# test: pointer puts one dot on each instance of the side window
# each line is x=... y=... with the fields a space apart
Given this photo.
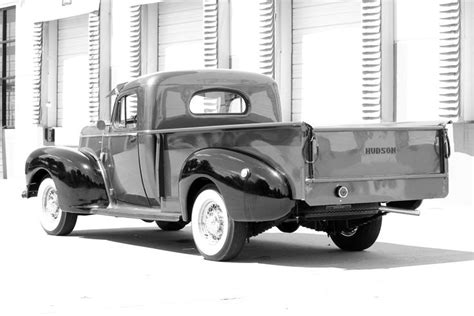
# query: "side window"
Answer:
x=217 y=102
x=127 y=111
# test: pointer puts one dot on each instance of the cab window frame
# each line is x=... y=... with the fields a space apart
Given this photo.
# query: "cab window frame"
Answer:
x=224 y=90
x=117 y=112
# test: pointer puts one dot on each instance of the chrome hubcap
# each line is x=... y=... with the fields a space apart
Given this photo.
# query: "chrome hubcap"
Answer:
x=211 y=222
x=50 y=206
x=349 y=233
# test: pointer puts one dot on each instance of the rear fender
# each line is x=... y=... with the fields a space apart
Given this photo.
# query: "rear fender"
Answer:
x=263 y=195
x=76 y=174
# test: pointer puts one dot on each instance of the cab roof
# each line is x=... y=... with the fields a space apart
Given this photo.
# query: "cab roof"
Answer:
x=211 y=77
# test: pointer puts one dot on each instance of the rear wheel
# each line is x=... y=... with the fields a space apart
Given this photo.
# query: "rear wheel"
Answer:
x=53 y=219
x=288 y=227
x=217 y=236
x=170 y=226
x=359 y=238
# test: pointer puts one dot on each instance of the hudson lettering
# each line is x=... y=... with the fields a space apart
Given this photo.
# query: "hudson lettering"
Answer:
x=380 y=150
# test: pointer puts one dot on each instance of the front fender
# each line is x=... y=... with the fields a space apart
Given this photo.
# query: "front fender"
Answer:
x=264 y=195
x=77 y=176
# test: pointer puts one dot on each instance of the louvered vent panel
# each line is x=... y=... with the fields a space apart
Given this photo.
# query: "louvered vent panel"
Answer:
x=135 y=49
x=267 y=37
x=371 y=59
x=37 y=58
x=94 y=63
x=135 y=41
x=210 y=33
x=450 y=51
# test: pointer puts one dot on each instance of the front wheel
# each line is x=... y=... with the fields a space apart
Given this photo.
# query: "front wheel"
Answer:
x=53 y=219
x=217 y=236
x=359 y=238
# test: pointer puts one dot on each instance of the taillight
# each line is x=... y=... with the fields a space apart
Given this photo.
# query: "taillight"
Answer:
x=446 y=144
x=310 y=152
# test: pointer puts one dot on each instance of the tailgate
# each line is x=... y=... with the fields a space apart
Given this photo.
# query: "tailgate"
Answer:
x=378 y=163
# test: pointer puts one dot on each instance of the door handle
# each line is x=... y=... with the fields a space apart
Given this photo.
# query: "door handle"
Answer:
x=103 y=157
x=133 y=139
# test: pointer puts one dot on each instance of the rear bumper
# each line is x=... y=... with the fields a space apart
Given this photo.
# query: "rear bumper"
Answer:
x=376 y=190
x=349 y=212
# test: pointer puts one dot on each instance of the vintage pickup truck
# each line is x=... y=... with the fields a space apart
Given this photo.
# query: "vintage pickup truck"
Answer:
x=208 y=147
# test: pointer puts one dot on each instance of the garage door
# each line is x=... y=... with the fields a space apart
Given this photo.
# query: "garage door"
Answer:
x=73 y=73
x=327 y=67
x=180 y=35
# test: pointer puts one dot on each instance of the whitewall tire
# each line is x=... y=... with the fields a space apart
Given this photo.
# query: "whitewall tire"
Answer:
x=216 y=235
x=53 y=220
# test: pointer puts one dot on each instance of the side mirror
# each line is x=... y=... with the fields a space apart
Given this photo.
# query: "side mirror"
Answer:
x=101 y=125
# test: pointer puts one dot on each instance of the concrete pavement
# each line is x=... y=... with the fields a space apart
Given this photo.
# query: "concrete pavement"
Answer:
x=108 y=266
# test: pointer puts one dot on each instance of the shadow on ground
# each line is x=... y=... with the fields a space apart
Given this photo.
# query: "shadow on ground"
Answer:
x=297 y=249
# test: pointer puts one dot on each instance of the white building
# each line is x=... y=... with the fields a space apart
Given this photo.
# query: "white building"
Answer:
x=336 y=62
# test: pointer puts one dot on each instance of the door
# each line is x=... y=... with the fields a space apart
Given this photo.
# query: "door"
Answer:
x=327 y=62
x=180 y=36
x=73 y=78
x=120 y=152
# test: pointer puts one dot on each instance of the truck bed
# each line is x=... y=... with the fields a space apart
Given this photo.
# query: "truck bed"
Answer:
x=377 y=163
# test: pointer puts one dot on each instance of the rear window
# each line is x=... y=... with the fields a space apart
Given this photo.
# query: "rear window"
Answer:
x=218 y=102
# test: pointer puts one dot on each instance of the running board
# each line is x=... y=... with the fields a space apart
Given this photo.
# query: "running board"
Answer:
x=387 y=209
x=137 y=212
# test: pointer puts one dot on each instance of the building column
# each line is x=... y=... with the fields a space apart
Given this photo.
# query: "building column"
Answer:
x=388 y=62
x=467 y=60
x=223 y=34
x=283 y=51
x=105 y=68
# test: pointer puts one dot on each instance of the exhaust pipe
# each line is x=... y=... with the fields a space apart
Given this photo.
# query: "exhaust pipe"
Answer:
x=387 y=209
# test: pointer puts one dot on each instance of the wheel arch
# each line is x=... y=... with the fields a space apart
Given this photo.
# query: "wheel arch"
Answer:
x=77 y=176
x=245 y=197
